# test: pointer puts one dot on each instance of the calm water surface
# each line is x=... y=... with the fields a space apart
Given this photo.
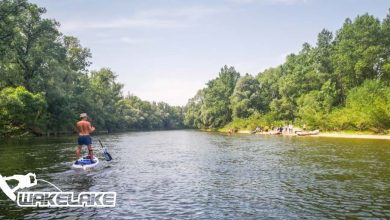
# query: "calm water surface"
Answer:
x=192 y=174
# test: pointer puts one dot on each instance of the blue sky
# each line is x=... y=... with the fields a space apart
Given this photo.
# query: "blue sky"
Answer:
x=165 y=50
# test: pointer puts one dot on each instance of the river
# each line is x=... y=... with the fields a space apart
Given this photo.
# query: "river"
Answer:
x=189 y=174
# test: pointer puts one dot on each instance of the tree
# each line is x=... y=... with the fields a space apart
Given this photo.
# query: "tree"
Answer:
x=319 y=86
x=216 y=110
x=268 y=86
x=246 y=99
x=36 y=55
x=36 y=47
x=357 y=53
x=323 y=52
x=367 y=107
x=384 y=67
x=21 y=110
x=192 y=116
x=314 y=107
x=105 y=93
x=10 y=11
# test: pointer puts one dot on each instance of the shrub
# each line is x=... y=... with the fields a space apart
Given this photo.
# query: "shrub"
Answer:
x=21 y=111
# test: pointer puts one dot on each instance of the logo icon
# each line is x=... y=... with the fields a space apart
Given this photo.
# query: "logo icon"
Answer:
x=24 y=181
x=52 y=199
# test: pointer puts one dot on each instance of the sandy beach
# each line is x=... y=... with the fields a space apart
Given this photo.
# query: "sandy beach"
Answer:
x=362 y=136
x=333 y=135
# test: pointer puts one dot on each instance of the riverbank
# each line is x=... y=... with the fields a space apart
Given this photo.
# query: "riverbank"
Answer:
x=360 y=136
x=342 y=134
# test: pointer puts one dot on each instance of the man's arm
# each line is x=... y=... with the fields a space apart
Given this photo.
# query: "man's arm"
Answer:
x=91 y=128
x=78 y=127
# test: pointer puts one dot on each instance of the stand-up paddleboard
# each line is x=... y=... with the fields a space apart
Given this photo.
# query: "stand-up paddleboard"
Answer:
x=85 y=163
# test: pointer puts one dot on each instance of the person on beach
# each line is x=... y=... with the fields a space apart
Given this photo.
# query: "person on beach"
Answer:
x=84 y=128
x=290 y=128
x=280 y=129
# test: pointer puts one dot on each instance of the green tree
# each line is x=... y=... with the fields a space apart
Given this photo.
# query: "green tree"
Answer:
x=323 y=51
x=246 y=99
x=21 y=111
x=105 y=93
x=192 y=116
x=268 y=86
x=216 y=110
x=367 y=107
x=384 y=67
x=10 y=11
x=357 y=52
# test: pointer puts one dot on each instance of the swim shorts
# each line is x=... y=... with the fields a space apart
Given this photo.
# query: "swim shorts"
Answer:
x=85 y=140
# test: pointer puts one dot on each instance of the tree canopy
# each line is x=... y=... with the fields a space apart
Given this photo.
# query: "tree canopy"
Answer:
x=45 y=82
x=340 y=83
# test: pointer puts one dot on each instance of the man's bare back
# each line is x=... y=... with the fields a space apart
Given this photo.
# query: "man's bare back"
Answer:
x=84 y=127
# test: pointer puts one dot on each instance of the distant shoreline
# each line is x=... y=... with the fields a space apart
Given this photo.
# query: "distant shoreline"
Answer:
x=325 y=134
x=360 y=136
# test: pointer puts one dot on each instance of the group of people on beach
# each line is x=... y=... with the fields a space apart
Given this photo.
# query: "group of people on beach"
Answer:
x=285 y=129
x=289 y=129
x=282 y=129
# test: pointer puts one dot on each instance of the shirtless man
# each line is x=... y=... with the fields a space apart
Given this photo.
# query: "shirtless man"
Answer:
x=84 y=127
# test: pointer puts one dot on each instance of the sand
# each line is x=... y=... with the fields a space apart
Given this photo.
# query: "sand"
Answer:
x=335 y=135
x=363 y=136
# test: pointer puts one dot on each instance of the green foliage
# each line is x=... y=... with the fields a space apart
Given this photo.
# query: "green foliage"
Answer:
x=192 y=117
x=357 y=53
x=53 y=69
x=266 y=122
x=21 y=110
x=315 y=106
x=249 y=123
x=311 y=109
x=246 y=98
x=367 y=107
x=105 y=93
x=340 y=83
x=138 y=114
x=211 y=108
x=269 y=89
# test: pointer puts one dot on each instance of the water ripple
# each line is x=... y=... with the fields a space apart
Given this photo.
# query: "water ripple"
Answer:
x=197 y=175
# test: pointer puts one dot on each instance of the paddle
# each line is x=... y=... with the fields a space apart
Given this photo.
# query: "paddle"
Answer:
x=106 y=155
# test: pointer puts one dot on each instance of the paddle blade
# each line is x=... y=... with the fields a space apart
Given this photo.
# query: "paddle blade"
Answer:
x=107 y=156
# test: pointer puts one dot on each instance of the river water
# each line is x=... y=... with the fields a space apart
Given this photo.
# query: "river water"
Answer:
x=197 y=175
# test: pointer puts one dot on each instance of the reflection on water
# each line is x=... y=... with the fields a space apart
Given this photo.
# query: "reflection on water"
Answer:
x=191 y=174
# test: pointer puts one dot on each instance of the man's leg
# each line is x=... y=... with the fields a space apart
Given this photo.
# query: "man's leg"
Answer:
x=78 y=150
x=90 y=152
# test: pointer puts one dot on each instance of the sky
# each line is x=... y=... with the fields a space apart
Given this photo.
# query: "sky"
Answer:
x=166 y=50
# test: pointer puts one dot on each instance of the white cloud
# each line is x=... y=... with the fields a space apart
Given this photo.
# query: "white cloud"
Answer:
x=187 y=13
x=120 y=23
x=154 y=18
x=131 y=41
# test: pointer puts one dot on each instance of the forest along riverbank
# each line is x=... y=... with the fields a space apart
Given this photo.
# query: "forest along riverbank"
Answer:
x=336 y=84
